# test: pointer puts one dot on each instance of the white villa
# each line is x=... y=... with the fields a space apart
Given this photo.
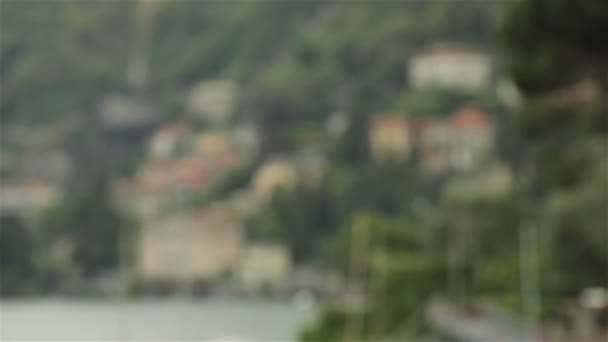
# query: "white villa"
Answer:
x=450 y=65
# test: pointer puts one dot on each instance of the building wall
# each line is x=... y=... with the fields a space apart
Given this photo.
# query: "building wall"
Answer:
x=213 y=100
x=188 y=247
x=273 y=175
x=26 y=198
x=469 y=147
x=265 y=264
x=456 y=69
x=464 y=141
x=215 y=248
x=434 y=142
x=389 y=136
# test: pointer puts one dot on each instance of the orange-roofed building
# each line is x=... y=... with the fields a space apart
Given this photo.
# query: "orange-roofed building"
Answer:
x=162 y=185
x=216 y=148
x=185 y=173
x=472 y=137
x=211 y=143
x=389 y=136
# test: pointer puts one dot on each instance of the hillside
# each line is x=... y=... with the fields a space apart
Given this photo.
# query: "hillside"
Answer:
x=310 y=56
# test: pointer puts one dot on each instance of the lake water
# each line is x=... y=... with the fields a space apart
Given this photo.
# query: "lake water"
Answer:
x=151 y=320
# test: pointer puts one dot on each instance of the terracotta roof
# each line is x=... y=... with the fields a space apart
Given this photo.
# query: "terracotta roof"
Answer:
x=469 y=116
x=165 y=174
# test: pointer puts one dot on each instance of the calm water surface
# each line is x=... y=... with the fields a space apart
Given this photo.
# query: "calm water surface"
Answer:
x=150 y=320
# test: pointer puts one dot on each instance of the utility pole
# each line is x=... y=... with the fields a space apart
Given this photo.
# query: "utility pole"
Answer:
x=359 y=255
x=378 y=274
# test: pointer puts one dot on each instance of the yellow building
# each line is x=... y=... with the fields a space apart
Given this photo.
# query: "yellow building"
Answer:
x=272 y=175
x=389 y=137
x=265 y=264
x=190 y=246
x=211 y=143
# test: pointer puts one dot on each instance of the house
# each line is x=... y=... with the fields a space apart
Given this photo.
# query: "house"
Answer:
x=310 y=163
x=450 y=65
x=217 y=150
x=121 y=112
x=46 y=165
x=336 y=124
x=463 y=141
x=165 y=142
x=472 y=138
x=185 y=173
x=275 y=173
x=211 y=143
x=213 y=101
x=190 y=246
x=389 y=137
x=26 y=198
x=243 y=202
x=162 y=185
x=265 y=265
x=145 y=202
x=304 y=167
x=434 y=144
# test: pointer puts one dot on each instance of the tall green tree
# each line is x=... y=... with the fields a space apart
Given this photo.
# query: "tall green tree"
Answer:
x=87 y=217
x=559 y=61
x=16 y=255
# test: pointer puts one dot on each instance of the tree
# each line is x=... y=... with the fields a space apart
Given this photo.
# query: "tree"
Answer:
x=302 y=218
x=565 y=124
x=16 y=254
x=390 y=262
x=353 y=146
x=87 y=217
x=476 y=236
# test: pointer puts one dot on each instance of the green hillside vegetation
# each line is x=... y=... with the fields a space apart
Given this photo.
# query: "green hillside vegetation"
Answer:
x=305 y=58
x=296 y=61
